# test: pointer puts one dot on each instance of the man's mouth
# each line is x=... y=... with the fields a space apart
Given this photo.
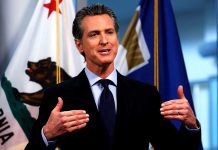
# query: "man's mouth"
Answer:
x=104 y=51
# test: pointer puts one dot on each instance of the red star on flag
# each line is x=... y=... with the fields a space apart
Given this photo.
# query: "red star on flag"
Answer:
x=52 y=6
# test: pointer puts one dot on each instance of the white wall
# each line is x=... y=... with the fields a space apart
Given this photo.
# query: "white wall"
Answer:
x=198 y=32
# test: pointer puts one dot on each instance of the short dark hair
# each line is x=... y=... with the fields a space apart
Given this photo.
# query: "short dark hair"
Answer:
x=93 y=10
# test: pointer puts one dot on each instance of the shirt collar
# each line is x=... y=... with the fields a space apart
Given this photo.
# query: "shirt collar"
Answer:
x=93 y=78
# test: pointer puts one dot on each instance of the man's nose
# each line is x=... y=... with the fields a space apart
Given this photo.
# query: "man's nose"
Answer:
x=103 y=39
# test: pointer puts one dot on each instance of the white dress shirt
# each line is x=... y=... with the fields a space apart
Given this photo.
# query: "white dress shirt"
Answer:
x=97 y=88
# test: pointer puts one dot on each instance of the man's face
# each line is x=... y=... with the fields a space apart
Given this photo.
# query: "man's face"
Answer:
x=99 y=41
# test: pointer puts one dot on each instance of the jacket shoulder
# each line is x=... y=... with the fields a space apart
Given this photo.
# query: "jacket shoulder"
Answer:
x=132 y=83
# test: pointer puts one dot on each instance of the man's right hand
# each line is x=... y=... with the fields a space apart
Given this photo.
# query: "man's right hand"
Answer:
x=61 y=122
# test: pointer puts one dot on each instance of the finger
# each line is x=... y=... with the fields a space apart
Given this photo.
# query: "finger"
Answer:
x=170 y=102
x=172 y=107
x=77 y=122
x=173 y=113
x=73 y=112
x=71 y=129
x=180 y=92
x=78 y=117
x=174 y=102
x=169 y=112
x=59 y=104
x=177 y=117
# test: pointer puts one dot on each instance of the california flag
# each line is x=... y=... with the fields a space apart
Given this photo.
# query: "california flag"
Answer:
x=46 y=55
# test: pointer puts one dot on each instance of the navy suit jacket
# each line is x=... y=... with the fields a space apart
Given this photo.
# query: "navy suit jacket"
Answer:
x=138 y=119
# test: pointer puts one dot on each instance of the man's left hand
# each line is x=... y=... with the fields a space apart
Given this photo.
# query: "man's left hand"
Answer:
x=179 y=109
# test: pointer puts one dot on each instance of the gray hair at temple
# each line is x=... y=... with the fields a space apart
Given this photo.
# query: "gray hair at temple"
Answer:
x=93 y=10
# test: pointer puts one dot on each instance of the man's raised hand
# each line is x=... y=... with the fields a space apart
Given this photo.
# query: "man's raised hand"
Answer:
x=179 y=109
x=61 y=122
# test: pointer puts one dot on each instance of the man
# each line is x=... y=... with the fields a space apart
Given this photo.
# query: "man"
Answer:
x=71 y=117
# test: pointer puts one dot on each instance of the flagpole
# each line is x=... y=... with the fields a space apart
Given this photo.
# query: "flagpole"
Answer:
x=156 y=67
x=156 y=63
x=58 y=75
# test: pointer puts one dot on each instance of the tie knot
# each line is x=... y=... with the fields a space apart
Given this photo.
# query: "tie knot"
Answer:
x=105 y=82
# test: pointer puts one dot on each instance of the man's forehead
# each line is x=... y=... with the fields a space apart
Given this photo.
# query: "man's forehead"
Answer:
x=97 y=21
x=97 y=16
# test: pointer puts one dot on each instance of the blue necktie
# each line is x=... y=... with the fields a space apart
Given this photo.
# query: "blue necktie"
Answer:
x=107 y=109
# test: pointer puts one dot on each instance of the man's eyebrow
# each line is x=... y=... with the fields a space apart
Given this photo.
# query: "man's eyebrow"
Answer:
x=93 y=31
x=98 y=31
x=110 y=29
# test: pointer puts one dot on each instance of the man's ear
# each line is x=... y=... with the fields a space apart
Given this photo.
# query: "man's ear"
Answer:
x=78 y=44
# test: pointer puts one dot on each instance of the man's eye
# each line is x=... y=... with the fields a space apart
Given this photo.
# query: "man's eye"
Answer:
x=110 y=32
x=92 y=34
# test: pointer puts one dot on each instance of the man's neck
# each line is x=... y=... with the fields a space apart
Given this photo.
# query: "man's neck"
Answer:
x=102 y=71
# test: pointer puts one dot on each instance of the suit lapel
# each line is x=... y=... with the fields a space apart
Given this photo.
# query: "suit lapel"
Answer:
x=86 y=93
x=88 y=99
x=123 y=103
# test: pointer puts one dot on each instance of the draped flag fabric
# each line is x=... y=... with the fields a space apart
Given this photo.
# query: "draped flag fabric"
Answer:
x=163 y=67
x=45 y=52
x=153 y=50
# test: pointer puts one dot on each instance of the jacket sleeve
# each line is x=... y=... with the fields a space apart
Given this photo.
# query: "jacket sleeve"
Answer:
x=35 y=140
x=164 y=135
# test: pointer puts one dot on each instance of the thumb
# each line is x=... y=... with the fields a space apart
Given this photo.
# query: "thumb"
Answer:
x=59 y=104
x=180 y=92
